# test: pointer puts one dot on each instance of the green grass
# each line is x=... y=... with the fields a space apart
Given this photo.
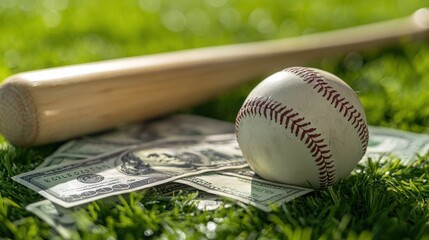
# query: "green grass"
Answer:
x=381 y=201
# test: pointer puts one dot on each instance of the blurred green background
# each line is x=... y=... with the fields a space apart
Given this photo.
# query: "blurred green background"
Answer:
x=386 y=202
x=49 y=33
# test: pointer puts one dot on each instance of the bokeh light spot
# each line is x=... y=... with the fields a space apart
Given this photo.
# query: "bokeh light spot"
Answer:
x=216 y=3
x=55 y=5
x=150 y=5
x=12 y=58
x=174 y=20
x=230 y=18
x=51 y=18
x=197 y=21
x=261 y=20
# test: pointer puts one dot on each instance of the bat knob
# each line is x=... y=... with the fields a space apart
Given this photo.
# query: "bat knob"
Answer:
x=421 y=17
x=18 y=115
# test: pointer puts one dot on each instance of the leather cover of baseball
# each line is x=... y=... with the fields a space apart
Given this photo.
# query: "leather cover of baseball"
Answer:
x=302 y=126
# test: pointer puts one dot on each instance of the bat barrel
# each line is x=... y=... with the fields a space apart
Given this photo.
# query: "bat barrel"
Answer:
x=56 y=104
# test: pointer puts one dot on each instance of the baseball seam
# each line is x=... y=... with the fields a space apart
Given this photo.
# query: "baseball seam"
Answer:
x=287 y=117
x=350 y=112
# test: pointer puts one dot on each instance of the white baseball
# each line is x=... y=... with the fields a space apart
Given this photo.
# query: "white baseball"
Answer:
x=302 y=126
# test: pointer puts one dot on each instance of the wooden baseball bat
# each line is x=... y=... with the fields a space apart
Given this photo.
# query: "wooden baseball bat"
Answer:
x=55 y=104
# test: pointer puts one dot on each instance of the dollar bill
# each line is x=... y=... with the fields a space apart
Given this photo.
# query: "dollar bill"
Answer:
x=60 y=220
x=62 y=159
x=245 y=187
x=382 y=141
x=63 y=221
x=132 y=169
x=130 y=135
x=204 y=201
x=404 y=145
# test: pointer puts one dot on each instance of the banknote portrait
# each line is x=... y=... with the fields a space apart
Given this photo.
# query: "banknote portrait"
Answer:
x=148 y=161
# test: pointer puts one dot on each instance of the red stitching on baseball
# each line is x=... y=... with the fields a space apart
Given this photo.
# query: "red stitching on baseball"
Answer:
x=345 y=107
x=298 y=127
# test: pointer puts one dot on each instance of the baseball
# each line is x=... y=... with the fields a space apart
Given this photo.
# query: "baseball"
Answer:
x=302 y=126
